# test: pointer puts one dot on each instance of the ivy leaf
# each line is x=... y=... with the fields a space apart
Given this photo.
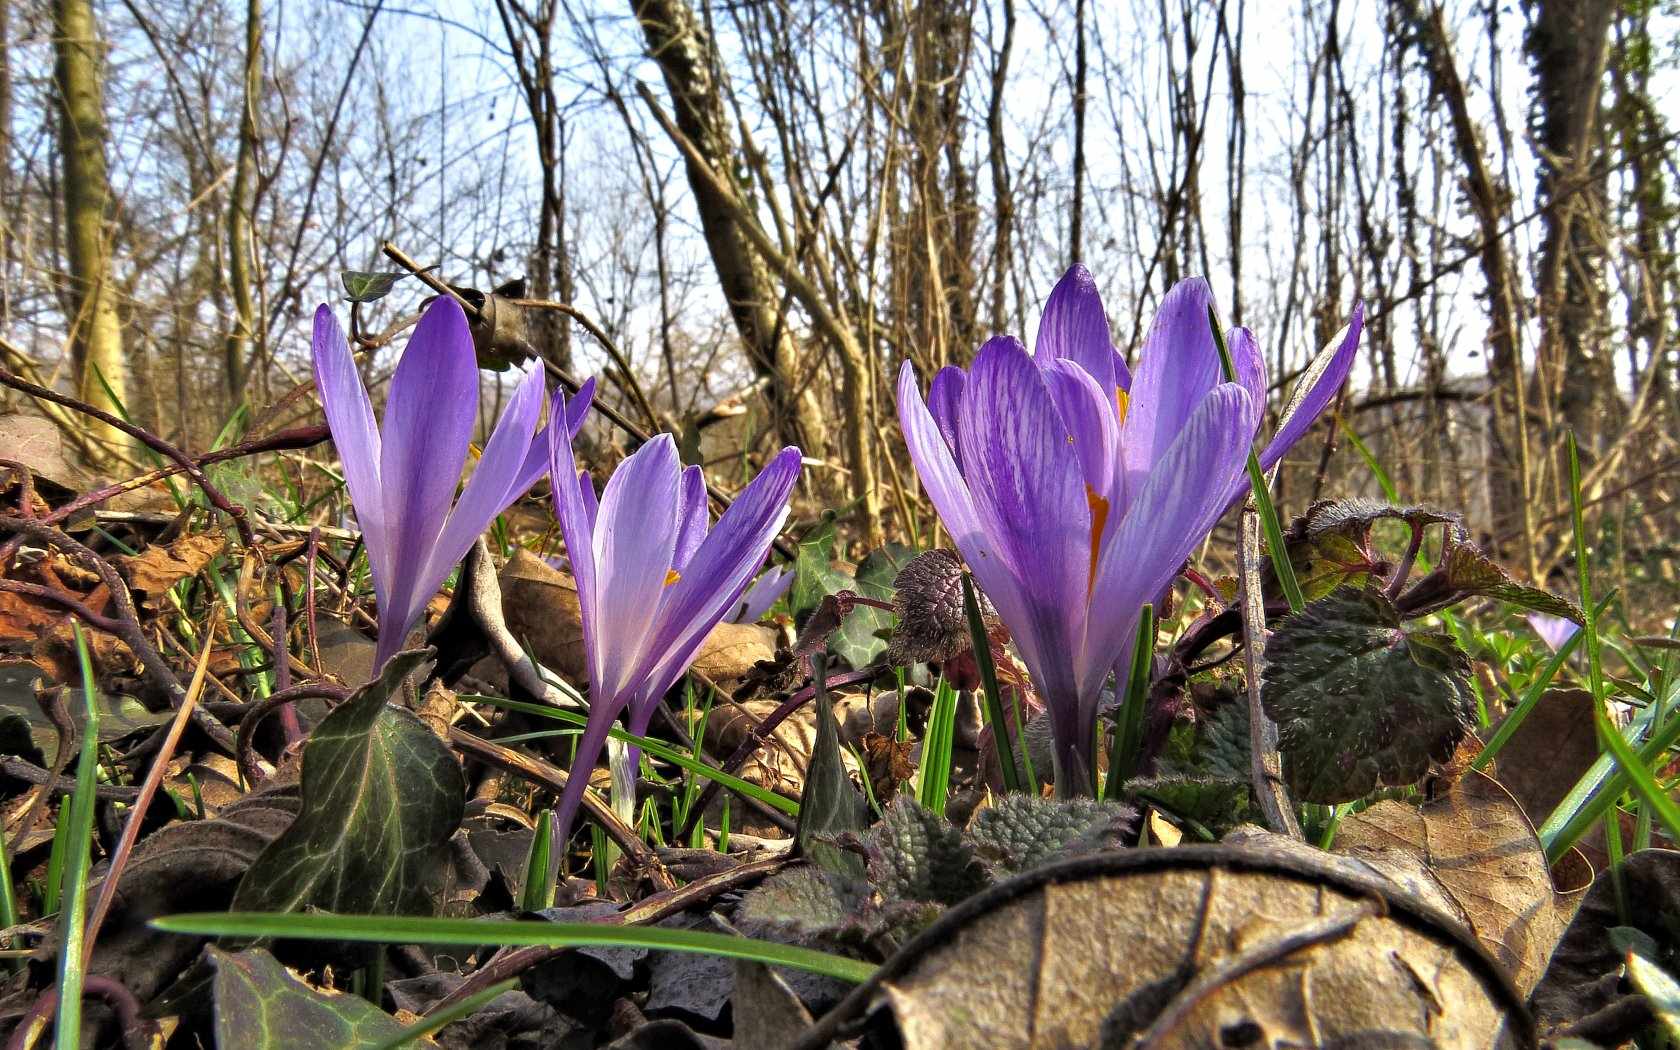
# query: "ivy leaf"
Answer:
x=814 y=574
x=380 y=797
x=1359 y=702
x=1021 y=831
x=921 y=856
x=368 y=286
x=859 y=640
x=1470 y=570
x=261 y=1006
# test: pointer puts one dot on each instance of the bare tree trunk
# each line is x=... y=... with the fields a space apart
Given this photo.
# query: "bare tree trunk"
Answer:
x=1508 y=456
x=1002 y=196
x=686 y=57
x=1076 y=226
x=1568 y=44
x=242 y=339
x=97 y=346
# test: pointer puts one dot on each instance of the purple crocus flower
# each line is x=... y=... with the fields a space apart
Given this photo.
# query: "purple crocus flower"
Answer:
x=765 y=592
x=1075 y=491
x=652 y=582
x=1553 y=630
x=402 y=478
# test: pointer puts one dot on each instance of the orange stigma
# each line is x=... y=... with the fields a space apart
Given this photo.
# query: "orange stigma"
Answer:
x=672 y=576
x=1099 y=518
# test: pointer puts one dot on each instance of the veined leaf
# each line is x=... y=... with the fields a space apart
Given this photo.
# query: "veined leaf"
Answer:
x=365 y=286
x=261 y=1006
x=381 y=796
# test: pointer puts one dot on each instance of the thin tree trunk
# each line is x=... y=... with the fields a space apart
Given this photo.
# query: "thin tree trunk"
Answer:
x=241 y=342
x=97 y=344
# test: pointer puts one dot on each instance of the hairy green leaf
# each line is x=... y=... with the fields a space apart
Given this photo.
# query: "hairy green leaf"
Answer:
x=805 y=901
x=1330 y=545
x=1359 y=702
x=260 y=1006
x=1023 y=831
x=380 y=797
x=1469 y=569
x=1216 y=803
x=919 y=856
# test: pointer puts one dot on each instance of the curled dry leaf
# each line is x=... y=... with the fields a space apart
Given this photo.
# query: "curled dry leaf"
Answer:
x=541 y=606
x=154 y=570
x=1197 y=946
x=1476 y=850
x=780 y=762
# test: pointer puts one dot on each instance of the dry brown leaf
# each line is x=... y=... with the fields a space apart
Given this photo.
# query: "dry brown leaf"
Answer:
x=36 y=442
x=157 y=568
x=1555 y=744
x=1475 y=843
x=1199 y=946
x=779 y=763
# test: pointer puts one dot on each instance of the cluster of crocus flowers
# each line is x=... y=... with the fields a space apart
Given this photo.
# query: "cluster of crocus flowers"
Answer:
x=653 y=580
x=402 y=476
x=1076 y=491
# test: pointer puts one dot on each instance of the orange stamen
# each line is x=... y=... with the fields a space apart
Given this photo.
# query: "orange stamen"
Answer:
x=672 y=576
x=1099 y=518
x=1122 y=401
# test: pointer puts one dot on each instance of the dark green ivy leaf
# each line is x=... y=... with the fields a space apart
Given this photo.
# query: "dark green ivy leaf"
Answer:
x=381 y=796
x=260 y=1006
x=368 y=286
x=1359 y=702
x=859 y=639
x=1469 y=569
x=814 y=574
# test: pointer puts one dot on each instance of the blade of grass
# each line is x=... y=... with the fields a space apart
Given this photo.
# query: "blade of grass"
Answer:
x=396 y=929
x=656 y=748
x=443 y=1018
x=72 y=958
x=1386 y=483
x=933 y=784
x=1261 y=492
x=989 y=687
x=538 y=892
x=1128 y=729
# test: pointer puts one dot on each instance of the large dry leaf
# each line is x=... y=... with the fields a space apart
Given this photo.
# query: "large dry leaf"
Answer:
x=541 y=606
x=1201 y=946
x=35 y=442
x=154 y=570
x=1473 y=843
x=779 y=763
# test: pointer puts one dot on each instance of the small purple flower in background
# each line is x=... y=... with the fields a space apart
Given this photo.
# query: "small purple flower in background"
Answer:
x=652 y=582
x=402 y=478
x=765 y=592
x=1075 y=491
x=1553 y=630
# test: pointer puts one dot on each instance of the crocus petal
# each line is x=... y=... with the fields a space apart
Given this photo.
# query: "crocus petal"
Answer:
x=1168 y=518
x=536 y=460
x=936 y=465
x=1246 y=362
x=1074 y=328
x=635 y=538
x=1178 y=366
x=718 y=573
x=429 y=418
x=494 y=482
x=355 y=434
x=576 y=514
x=1088 y=413
x=692 y=517
x=1553 y=630
x=1320 y=394
x=944 y=400
x=765 y=592
x=1030 y=501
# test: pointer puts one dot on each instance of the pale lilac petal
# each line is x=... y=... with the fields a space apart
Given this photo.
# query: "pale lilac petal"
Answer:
x=1122 y=373
x=574 y=507
x=944 y=400
x=1319 y=396
x=429 y=418
x=1030 y=501
x=718 y=574
x=494 y=482
x=1247 y=363
x=1074 y=328
x=1168 y=519
x=595 y=731
x=536 y=460
x=764 y=593
x=635 y=538
x=1092 y=428
x=692 y=517
x=356 y=436
x=1178 y=366
x=1553 y=630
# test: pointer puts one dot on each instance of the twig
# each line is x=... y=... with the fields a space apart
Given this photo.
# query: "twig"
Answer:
x=1267 y=768
x=137 y=1032
x=512 y=962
